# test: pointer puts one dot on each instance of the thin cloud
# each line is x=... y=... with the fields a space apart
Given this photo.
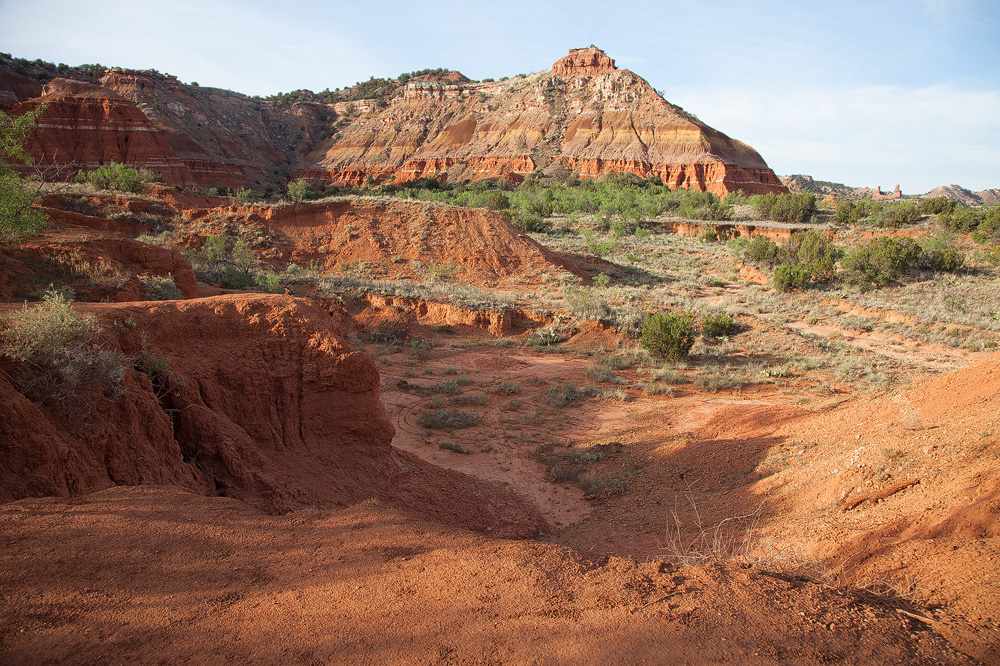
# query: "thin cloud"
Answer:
x=866 y=135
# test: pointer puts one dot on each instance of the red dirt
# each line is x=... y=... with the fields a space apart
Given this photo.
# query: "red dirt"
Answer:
x=291 y=421
x=145 y=575
x=395 y=238
x=364 y=554
x=93 y=256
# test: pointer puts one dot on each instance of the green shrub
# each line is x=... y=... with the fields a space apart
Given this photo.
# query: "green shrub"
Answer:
x=897 y=214
x=812 y=251
x=936 y=206
x=243 y=195
x=118 y=176
x=785 y=207
x=233 y=278
x=762 y=251
x=668 y=336
x=297 y=190
x=937 y=256
x=157 y=288
x=268 y=281
x=57 y=352
x=448 y=419
x=789 y=277
x=880 y=261
x=718 y=326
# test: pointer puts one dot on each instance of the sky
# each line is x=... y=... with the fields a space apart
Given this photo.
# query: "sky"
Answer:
x=859 y=92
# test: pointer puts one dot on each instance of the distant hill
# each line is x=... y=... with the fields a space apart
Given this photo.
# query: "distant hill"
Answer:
x=841 y=192
x=967 y=197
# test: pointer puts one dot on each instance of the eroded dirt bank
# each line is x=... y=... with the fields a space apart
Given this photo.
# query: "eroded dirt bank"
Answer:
x=263 y=402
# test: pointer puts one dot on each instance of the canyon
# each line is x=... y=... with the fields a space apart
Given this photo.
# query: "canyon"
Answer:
x=369 y=428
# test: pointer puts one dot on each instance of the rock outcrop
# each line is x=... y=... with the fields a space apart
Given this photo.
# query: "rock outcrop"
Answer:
x=224 y=138
x=84 y=126
x=965 y=196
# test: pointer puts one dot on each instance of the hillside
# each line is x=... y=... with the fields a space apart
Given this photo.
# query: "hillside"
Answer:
x=583 y=115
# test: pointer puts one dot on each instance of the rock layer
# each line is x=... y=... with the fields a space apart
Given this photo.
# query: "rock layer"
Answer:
x=84 y=126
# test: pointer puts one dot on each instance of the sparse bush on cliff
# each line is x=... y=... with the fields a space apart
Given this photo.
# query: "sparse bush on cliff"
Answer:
x=668 y=336
x=53 y=352
x=118 y=176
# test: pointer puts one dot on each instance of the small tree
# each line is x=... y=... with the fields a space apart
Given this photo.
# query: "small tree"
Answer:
x=17 y=194
x=668 y=336
x=297 y=190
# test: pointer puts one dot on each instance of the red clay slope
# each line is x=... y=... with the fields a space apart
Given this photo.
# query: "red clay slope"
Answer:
x=269 y=406
x=398 y=239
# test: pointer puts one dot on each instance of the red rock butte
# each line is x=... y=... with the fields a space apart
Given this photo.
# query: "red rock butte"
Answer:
x=585 y=115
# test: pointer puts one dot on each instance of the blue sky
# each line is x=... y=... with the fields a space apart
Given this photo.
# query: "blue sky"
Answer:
x=865 y=93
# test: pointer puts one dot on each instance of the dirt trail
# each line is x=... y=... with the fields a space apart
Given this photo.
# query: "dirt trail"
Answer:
x=490 y=455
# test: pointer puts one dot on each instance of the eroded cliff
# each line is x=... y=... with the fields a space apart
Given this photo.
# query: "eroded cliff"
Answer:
x=584 y=115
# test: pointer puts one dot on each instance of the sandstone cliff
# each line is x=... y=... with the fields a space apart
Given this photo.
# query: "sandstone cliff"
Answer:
x=584 y=114
x=84 y=126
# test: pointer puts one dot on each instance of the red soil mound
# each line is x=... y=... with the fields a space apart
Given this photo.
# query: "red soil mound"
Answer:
x=904 y=490
x=91 y=255
x=268 y=405
x=394 y=238
x=153 y=575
